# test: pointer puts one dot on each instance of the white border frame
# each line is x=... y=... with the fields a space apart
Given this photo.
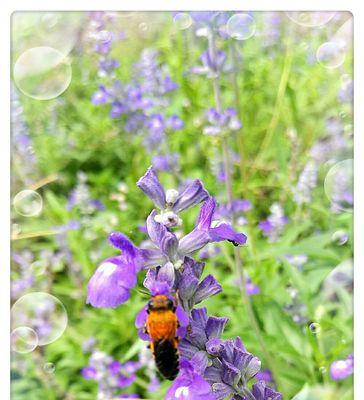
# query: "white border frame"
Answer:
x=171 y=5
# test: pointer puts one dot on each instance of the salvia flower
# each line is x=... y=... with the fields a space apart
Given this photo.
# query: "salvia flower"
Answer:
x=306 y=182
x=221 y=122
x=111 y=283
x=189 y=385
x=111 y=375
x=171 y=202
x=341 y=369
x=273 y=226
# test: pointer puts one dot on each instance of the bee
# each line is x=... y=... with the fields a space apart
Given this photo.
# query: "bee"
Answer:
x=162 y=325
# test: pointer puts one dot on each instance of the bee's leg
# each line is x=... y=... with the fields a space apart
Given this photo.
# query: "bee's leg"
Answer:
x=145 y=329
x=148 y=346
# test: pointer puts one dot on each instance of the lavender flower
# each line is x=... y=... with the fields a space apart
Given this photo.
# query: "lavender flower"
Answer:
x=171 y=202
x=166 y=162
x=110 y=374
x=341 y=369
x=272 y=227
x=306 y=182
x=189 y=385
x=220 y=123
x=212 y=64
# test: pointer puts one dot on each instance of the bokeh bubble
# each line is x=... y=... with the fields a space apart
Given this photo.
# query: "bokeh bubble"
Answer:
x=42 y=73
x=59 y=30
x=23 y=339
x=241 y=26
x=338 y=280
x=143 y=26
x=38 y=268
x=340 y=237
x=49 y=368
x=182 y=21
x=310 y=18
x=339 y=186
x=315 y=327
x=330 y=55
x=28 y=203
x=43 y=313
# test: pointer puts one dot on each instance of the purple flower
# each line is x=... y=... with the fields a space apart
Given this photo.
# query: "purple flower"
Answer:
x=232 y=369
x=202 y=339
x=251 y=288
x=265 y=375
x=190 y=290
x=166 y=162
x=212 y=64
x=272 y=227
x=262 y=392
x=171 y=202
x=189 y=385
x=306 y=182
x=175 y=122
x=101 y=96
x=221 y=122
x=89 y=372
x=111 y=283
x=207 y=231
x=341 y=369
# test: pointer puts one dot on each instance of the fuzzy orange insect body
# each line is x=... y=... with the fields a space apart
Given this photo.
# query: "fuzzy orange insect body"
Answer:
x=161 y=325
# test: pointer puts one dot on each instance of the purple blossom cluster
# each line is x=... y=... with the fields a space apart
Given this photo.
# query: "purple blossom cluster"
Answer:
x=111 y=376
x=142 y=101
x=221 y=122
x=272 y=227
x=210 y=367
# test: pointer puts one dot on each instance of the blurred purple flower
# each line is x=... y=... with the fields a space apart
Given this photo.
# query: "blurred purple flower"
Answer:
x=341 y=369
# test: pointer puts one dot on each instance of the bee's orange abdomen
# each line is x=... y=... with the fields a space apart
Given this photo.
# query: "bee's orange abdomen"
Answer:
x=162 y=325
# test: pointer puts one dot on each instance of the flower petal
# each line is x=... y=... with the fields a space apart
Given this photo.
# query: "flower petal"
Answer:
x=193 y=194
x=207 y=288
x=161 y=237
x=215 y=326
x=110 y=284
x=150 y=185
x=206 y=213
x=226 y=232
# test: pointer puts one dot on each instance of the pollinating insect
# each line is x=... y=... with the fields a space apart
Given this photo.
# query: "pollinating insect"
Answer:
x=161 y=325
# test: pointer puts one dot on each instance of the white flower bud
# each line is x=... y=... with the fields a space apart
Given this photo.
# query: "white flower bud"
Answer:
x=171 y=196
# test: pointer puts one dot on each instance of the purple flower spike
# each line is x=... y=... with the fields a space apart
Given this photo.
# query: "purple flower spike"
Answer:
x=150 y=185
x=101 y=96
x=111 y=283
x=189 y=385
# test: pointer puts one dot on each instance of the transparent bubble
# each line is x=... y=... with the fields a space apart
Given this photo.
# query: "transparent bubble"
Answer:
x=315 y=327
x=339 y=186
x=340 y=237
x=49 y=368
x=23 y=339
x=38 y=268
x=182 y=21
x=330 y=55
x=344 y=35
x=143 y=26
x=43 y=313
x=338 y=280
x=28 y=203
x=59 y=30
x=42 y=73
x=310 y=18
x=241 y=26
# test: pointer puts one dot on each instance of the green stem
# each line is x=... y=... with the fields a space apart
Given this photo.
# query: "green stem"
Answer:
x=278 y=104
